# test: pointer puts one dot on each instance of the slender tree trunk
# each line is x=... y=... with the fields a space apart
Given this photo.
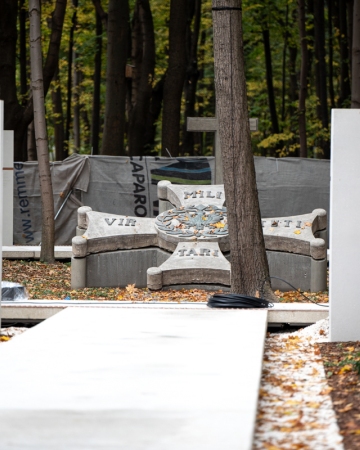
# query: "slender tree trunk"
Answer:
x=95 y=119
x=303 y=79
x=23 y=58
x=76 y=112
x=345 y=94
x=58 y=119
x=154 y=112
x=331 y=53
x=70 y=82
x=144 y=78
x=269 y=81
x=286 y=39
x=192 y=72
x=249 y=266
x=320 y=65
x=309 y=27
x=175 y=77
x=355 y=79
x=31 y=143
x=350 y=25
x=37 y=86
x=117 y=31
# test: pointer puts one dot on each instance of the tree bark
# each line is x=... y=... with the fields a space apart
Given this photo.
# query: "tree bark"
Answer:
x=143 y=76
x=320 y=65
x=95 y=119
x=303 y=79
x=69 y=82
x=345 y=94
x=37 y=86
x=249 y=266
x=355 y=79
x=269 y=81
x=23 y=59
x=117 y=31
x=58 y=119
x=192 y=72
x=175 y=77
x=31 y=143
x=331 y=53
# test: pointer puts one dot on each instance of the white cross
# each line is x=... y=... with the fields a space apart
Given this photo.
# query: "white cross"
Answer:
x=210 y=124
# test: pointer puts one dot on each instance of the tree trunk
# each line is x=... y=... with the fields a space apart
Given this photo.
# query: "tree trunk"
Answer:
x=58 y=119
x=154 y=112
x=192 y=72
x=350 y=27
x=117 y=30
x=144 y=62
x=37 y=86
x=69 y=82
x=320 y=65
x=23 y=58
x=175 y=77
x=355 y=79
x=269 y=81
x=249 y=266
x=31 y=143
x=303 y=79
x=76 y=112
x=345 y=94
x=95 y=119
x=331 y=53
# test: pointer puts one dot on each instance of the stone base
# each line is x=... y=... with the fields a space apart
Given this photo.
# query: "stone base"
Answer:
x=124 y=267
x=303 y=272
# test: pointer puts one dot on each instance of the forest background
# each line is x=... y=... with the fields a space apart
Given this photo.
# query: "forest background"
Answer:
x=129 y=73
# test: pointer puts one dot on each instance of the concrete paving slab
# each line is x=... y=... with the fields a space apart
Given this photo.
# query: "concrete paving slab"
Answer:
x=94 y=378
x=36 y=310
x=33 y=251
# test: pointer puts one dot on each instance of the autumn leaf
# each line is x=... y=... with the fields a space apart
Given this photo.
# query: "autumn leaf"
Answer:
x=219 y=225
x=4 y=338
x=345 y=369
x=130 y=288
x=297 y=232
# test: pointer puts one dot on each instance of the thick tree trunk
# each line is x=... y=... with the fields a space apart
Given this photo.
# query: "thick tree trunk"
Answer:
x=192 y=72
x=350 y=25
x=117 y=31
x=269 y=81
x=303 y=79
x=95 y=119
x=175 y=77
x=37 y=86
x=249 y=266
x=355 y=79
x=144 y=62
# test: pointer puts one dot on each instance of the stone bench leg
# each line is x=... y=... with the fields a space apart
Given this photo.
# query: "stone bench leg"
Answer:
x=78 y=273
x=318 y=275
x=154 y=279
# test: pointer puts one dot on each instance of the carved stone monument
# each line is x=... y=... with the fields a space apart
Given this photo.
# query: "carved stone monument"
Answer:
x=188 y=245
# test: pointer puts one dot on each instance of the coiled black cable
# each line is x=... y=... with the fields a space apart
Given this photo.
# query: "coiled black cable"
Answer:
x=246 y=301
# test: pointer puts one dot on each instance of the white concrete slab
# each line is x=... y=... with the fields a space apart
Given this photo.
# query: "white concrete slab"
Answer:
x=344 y=225
x=33 y=251
x=34 y=310
x=133 y=379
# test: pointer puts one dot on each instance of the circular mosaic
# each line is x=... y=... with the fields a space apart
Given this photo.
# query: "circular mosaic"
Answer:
x=199 y=221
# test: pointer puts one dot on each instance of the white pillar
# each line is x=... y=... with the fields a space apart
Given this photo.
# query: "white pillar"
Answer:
x=345 y=225
x=1 y=188
x=8 y=187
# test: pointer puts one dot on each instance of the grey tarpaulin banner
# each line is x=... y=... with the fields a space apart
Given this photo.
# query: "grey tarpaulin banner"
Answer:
x=118 y=185
x=291 y=186
x=123 y=185
x=73 y=173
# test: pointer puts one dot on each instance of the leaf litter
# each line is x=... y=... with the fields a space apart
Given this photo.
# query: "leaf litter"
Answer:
x=53 y=282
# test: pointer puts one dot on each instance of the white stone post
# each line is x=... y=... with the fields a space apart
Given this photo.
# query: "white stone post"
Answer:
x=345 y=225
x=1 y=188
x=8 y=187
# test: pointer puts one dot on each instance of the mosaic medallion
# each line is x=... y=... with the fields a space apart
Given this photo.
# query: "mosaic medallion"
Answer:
x=194 y=221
